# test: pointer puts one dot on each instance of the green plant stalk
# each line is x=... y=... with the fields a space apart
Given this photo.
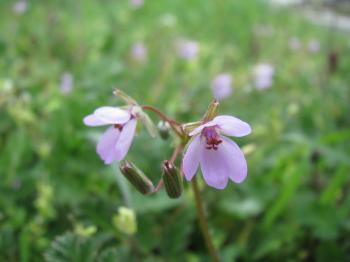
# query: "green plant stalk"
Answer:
x=203 y=224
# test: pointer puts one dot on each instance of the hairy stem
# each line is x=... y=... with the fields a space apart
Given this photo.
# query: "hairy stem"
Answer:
x=203 y=224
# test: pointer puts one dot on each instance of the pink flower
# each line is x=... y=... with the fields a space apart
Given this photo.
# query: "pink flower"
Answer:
x=222 y=86
x=187 y=49
x=314 y=46
x=66 y=84
x=263 y=74
x=137 y=3
x=219 y=157
x=114 y=144
x=20 y=7
x=138 y=51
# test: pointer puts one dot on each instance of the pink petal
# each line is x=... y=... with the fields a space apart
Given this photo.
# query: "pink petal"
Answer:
x=215 y=168
x=235 y=159
x=93 y=120
x=124 y=142
x=201 y=127
x=106 y=145
x=191 y=158
x=226 y=162
x=107 y=115
x=112 y=115
x=232 y=126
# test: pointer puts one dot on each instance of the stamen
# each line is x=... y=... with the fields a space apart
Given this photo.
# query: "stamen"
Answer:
x=118 y=126
x=213 y=140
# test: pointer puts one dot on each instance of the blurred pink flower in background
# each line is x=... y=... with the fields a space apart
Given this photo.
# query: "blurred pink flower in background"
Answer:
x=294 y=43
x=66 y=84
x=20 y=7
x=314 y=46
x=187 y=49
x=139 y=51
x=222 y=86
x=136 y=3
x=263 y=75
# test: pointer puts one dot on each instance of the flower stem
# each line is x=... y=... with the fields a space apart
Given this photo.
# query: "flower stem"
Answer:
x=173 y=123
x=203 y=222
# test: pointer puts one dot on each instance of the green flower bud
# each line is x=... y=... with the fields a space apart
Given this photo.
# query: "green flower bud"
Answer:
x=211 y=112
x=163 y=129
x=136 y=177
x=125 y=221
x=172 y=180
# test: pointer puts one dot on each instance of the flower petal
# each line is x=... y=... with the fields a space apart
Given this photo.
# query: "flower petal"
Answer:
x=215 y=168
x=201 y=127
x=124 y=142
x=106 y=145
x=232 y=126
x=112 y=115
x=235 y=159
x=191 y=158
x=93 y=120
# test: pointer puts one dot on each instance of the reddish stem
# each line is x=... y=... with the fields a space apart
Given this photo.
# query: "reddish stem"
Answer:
x=173 y=123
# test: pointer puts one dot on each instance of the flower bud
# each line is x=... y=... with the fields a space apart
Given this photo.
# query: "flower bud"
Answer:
x=172 y=180
x=211 y=111
x=125 y=221
x=163 y=129
x=136 y=177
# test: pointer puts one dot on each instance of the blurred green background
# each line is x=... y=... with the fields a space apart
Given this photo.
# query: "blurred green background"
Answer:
x=61 y=59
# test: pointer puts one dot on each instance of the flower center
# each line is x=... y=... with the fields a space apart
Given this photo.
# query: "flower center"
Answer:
x=212 y=137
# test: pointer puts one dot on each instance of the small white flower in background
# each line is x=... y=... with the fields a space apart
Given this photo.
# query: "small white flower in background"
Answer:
x=222 y=86
x=66 y=84
x=136 y=3
x=263 y=76
x=20 y=7
x=187 y=49
x=294 y=43
x=138 y=51
x=314 y=46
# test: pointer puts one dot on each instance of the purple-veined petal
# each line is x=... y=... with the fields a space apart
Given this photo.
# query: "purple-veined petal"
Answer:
x=191 y=158
x=215 y=168
x=112 y=115
x=124 y=142
x=201 y=127
x=232 y=126
x=93 y=120
x=235 y=159
x=106 y=145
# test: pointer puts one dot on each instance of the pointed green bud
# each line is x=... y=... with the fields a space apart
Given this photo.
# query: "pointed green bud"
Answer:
x=211 y=111
x=163 y=129
x=124 y=96
x=136 y=177
x=172 y=180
